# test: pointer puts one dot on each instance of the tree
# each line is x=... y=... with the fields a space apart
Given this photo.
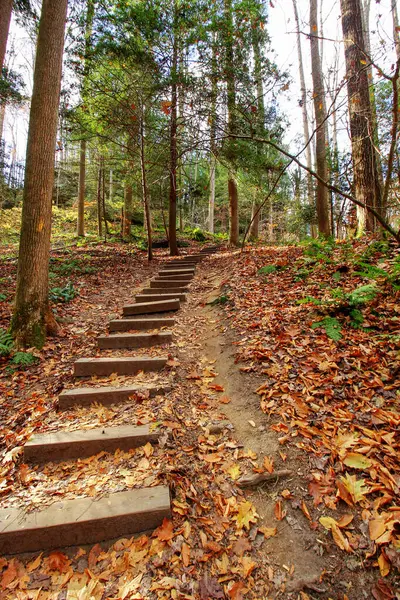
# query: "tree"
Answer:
x=322 y=199
x=173 y=246
x=366 y=177
x=5 y=20
x=33 y=317
x=231 y=106
x=306 y=129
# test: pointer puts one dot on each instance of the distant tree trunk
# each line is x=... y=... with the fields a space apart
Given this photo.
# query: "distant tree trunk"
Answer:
x=231 y=105
x=173 y=246
x=82 y=159
x=110 y=192
x=145 y=194
x=181 y=129
x=320 y=120
x=396 y=28
x=306 y=129
x=255 y=221
x=366 y=178
x=5 y=20
x=33 y=317
x=81 y=192
x=103 y=200
x=213 y=131
x=99 y=204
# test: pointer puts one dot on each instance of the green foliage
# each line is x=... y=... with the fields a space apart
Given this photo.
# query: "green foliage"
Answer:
x=337 y=276
x=23 y=359
x=63 y=294
x=362 y=295
x=198 y=235
x=331 y=326
x=308 y=300
x=3 y=297
x=220 y=300
x=6 y=343
x=370 y=271
x=74 y=266
x=267 y=270
x=302 y=274
x=357 y=318
x=319 y=249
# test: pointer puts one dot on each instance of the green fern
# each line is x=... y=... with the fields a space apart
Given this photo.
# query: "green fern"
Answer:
x=362 y=295
x=267 y=270
x=6 y=342
x=23 y=359
x=64 y=294
x=332 y=328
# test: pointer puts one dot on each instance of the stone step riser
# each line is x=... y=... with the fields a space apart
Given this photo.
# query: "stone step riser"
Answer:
x=176 y=276
x=54 y=447
x=151 y=306
x=167 y=283
x=143 y=298
x=106 y=395
x=83 y=521
x=139 y=324
x=89 y=367
x=134 y=340
x=165 y=290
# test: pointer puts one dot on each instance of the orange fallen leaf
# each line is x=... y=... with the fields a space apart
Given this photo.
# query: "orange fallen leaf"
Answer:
x=185 y=554
x=165 y=532
x=280 y=514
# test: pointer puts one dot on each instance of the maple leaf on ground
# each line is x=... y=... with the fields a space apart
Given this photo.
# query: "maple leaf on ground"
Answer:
x=268 y=532
x=246 y=514
x=165 y=532
x=241 y=546
x=355 y=487
x=237 y=591
x=9 y=574
x=209 y=588
x=57 y=561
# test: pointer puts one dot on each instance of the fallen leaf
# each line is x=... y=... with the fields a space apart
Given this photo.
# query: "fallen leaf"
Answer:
x=246 y=514
x=165 y=532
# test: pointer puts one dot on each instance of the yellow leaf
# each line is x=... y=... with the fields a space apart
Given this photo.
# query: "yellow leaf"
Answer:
x=340 y=539
x=234 y=472
x=247 y=514
x=356 y=488
x=268 y=532
x=248 y=566
x=357 y=461
x=327 y=522
x=148 y=450
x=384 y=565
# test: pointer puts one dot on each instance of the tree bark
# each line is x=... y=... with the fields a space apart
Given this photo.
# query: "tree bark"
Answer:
x=33 y=317
x=213 y=131
x=231 y=105
x=5 y=20
x=396 y=28
x=99 y=203
x=306 y=129
x=81 y=193
x=145 y=195
x=366 y=178
x=322 y=199
x=173 y=245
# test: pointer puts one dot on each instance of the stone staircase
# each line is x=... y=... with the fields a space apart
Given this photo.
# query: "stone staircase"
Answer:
x=84 y=521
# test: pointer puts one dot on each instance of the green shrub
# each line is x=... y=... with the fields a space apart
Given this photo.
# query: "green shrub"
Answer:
x=370 y=271
x=23 y=359
x=362 y=295
x=198 y=235
x=331 y=326
x=357 y=318
x=267 y=270
x=220 y=300
x=6 y=343
x=308 y=300
x=64 y=294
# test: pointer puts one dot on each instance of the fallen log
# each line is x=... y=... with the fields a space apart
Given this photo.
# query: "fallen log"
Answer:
x=252 y=479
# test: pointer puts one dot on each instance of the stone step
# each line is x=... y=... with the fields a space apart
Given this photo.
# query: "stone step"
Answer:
x=134 y=340
x=70 y=445
x=141 y=298
x=165 y=290
x=173 y=275
x=87 y=367
x=83 y=521
x=139 y=324
x=86 y=396
x=175 y=271
x=184 y=262
x=167 y=283
x=152 y=305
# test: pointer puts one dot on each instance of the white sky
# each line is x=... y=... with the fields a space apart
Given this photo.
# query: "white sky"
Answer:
x=283 y=42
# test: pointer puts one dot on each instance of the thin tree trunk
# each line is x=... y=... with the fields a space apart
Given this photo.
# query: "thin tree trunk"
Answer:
x=396 y=28
x=306 y=129
x=5 y=20
x=366 y=178
x=231 y=104
x=33 y=317
x=81 y=193
x=320 y=119
x=110 y=192
x=103 y=200
x=145 y=195
x=213 y=131
x=173 y=246
x=99 y=204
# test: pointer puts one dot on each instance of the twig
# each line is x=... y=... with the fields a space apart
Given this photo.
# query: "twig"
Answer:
x=256 y=478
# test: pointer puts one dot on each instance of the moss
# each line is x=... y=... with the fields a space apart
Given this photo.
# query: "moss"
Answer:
x=27 y=331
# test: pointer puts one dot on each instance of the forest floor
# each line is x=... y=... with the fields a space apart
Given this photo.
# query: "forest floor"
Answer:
x=285 y=377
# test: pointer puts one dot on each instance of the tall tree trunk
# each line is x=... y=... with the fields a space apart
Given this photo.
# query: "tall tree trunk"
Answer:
x=396 y=28
x=173 y=246
x=33 y=317
x=366 y=178
x=320 y=120
x=180 y=130
x=231 y=105
x=306 y=129
x=82 y=158
x=145 y=194
x=5 y=20
x=213 y=132
x=258 y=78
x=103 y=199
x=81 y=193
x=99 y=203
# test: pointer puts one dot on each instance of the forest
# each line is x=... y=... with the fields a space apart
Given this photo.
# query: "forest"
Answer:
x=199 y=299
